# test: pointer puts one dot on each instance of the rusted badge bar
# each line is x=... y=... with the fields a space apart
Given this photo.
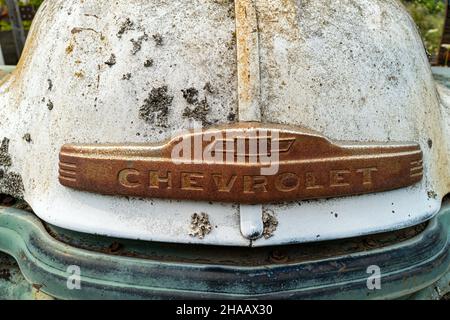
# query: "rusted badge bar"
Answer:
x=223 y=165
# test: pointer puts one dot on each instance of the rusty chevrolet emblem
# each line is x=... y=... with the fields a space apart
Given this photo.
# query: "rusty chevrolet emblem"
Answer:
x=244 y=163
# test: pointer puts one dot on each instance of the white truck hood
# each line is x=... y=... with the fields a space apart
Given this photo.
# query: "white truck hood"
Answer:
x=91 y=70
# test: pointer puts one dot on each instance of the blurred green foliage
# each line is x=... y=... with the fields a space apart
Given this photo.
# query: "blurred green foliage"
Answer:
x=6 y=26
x=35 y=3
x=429 y=16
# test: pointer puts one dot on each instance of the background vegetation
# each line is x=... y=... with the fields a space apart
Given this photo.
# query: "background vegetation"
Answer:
x=26 y=2
x=429 y=16
x=5 y=25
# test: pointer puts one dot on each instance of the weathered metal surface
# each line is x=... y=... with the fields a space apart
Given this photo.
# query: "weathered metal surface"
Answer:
x=100 y=79
x=238 y=257
x=227 y=169
x=249 y=95
x=248 y=70
x=407 y=267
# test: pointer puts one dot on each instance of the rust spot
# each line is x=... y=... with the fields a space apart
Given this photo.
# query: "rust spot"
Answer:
x=156 y=107
x=247 y=50
x=115 y=247
x=158 y=39
x=124 y=27
x=5 y=274
x=432 y=195
x=148 y=63
x=200 y=225
x=38 y=287
x=191 y=95
x=5 y=158
x=277 y=256
x=27 y=137
x=209 y=88
x=112 y=60
x=6 y=200
x=79 y=74
x=50 y=105
x=70 y=48
x=11 y=183
x=200 y=108
x=137 y=44
x=270 y=224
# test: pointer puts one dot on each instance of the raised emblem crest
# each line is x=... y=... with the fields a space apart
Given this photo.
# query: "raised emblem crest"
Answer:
x=245 y=163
